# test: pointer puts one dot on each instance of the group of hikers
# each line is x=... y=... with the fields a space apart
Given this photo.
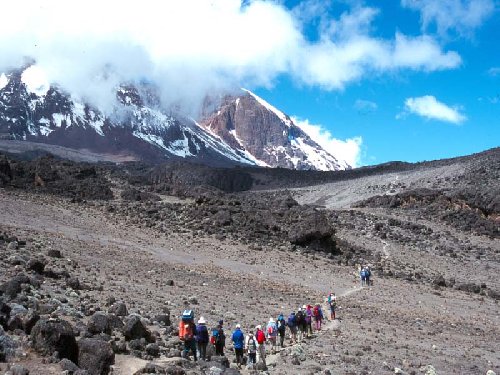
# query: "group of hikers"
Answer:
x=300 y=324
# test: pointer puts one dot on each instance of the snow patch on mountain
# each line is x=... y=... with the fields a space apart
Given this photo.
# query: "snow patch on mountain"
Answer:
x=3 y=81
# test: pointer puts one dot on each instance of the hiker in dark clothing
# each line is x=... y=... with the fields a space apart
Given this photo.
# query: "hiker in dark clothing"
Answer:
x=218 y=338
x=202 y=337
x=281 y=329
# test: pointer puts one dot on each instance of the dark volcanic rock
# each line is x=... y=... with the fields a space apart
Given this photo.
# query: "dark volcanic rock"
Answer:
x=7 y=346
x=95 y=356
x=134 y=329
x=119 y=309
x=99 y=323
x=50 y=336
x=12 y=287
x=36 y=265
x=54 y=253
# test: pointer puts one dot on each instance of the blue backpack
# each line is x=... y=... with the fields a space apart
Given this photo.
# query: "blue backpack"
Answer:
x=292 y=321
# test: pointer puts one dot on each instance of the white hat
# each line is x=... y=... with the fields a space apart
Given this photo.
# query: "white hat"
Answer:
x=304 y=307
x=202 y=320
x=238 y=326
x=258 y=327
x=271 y=320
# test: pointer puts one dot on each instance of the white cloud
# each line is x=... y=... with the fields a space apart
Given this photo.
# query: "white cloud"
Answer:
x=348 y=150
x=461 y=16
x=429 y=107
x=190 y=47
x=365 y=106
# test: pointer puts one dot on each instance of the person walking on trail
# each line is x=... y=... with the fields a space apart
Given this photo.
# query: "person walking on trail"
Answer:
x=280 y=322
x=368 y=274
x=238 y=339
x=272 y=333
x=218 y=338
x=261 y=344
x=362 y=275
x=202 y=338
x=332 y=303
x=318 y=316
x=301 y=324
x=292 y=324
x=308 y=319
x=187 y=331
x=251 y=348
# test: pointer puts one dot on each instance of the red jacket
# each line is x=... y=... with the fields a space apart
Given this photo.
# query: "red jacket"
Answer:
x=260 y=336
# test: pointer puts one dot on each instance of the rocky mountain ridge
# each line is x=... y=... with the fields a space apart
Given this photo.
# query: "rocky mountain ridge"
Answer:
x=139 y=129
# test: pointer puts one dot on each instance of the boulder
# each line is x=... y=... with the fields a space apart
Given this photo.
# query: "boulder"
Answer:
x=13 y=245
x=36 y=265
x=99 y=323
x=153 y=350
x=67 y=365
x=134 y=329
x=53 y=253
x=95 y=356
x=18 y=370
x=73 y=283
x=7 y=346
x=13 y=287
x=54 y=335
x=119 y=309
x=163 y=319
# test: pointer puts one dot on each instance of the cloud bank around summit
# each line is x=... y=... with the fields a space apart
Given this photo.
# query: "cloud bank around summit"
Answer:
x=189 y=48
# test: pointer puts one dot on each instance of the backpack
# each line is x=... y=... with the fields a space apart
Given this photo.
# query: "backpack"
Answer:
x=221 y=338
x=292 y=321
x=252 y=346
x=281 y=325
x=316 y=311
x=261 y=338
x=363 y=273
x=271 y=330
x=187 y=315
x=187 y=332
x=299 y=317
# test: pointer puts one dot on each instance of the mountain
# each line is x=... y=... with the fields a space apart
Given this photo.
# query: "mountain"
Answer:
x=250 y=124
x=242 y=130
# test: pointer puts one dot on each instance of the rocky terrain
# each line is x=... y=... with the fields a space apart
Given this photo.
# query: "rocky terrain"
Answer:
x=99 y=260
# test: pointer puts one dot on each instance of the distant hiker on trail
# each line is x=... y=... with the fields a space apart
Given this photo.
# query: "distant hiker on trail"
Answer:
x=362 y=275
x=218 y=338
x=368 y=274
x=251 y=348
x=318 y=316
x=292 y=324
x=238 y=339
x=202 y=337
x=187 y=330
x=272 y=333
x=332 y=302
x=261 y=344
x=301 y=324
x=309 y=318
x=281 y=329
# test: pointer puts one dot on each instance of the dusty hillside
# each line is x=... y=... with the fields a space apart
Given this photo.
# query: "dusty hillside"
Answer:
x=76 y=253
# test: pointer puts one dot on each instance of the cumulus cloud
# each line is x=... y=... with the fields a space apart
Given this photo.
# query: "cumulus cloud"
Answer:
x=348 y=150
x=365 y=107
x=429 y=107
x=460 y=16
x=189 y=48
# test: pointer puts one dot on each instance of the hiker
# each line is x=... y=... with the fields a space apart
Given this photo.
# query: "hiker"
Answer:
x=202 y=337
x=218 y=338
x=187 y=330
x=362 y=275
x=318 y=316
x=368 y=274
x=261 y=344
x=238 y=339
x=308 y=319
x=300 y=319
x=281 y=329
x=272 y=333
x=332 y=302
x=251 y=348
x=292 y=324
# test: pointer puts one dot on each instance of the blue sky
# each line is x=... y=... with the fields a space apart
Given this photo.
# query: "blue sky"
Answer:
x=371 y=81
x=373 y=106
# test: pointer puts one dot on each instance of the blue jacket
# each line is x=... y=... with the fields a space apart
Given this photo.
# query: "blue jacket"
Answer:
x=238 y=339
x=202 y=333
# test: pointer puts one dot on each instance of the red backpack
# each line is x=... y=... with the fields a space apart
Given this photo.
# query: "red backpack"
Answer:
x=261 y=338
x=316 y=311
